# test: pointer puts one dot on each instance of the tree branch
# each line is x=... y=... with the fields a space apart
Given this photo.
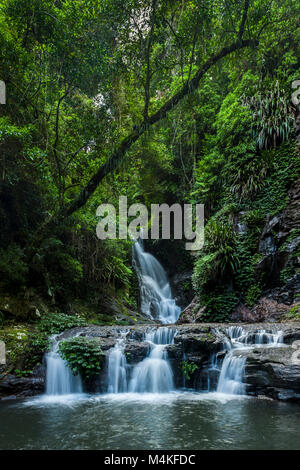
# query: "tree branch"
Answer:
x=112 y=163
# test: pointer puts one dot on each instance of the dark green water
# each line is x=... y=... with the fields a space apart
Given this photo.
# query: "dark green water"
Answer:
x=171 y=421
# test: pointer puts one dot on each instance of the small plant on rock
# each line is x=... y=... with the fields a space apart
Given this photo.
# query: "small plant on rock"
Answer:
x=188 y=368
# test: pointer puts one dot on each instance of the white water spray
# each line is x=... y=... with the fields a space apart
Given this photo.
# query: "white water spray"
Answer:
x=59 y=377
x=117 y=367
x=233 y=366
x=154 y=374
x=156 y=296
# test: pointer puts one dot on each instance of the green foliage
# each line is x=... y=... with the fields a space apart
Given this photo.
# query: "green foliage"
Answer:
x=15 y=339
x=57 y=322
x=221 y=259
x=84 y=356
x=188 y=368
x=38 y=344
x=273 y=119
x=24 y=348
x=252 y=295
x=219 y=304
x=76 y=75
x=284 y=171
x=248 y=177
x=13 y=267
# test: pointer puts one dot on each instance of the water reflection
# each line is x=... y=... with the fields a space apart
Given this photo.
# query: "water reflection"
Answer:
x=151 y=421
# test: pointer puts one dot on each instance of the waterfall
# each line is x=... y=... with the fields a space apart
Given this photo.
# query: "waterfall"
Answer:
x=156 y=296
x=231 y=375
x=117 y=367
x=154 y=373
x=233 y=366
x=59 y=377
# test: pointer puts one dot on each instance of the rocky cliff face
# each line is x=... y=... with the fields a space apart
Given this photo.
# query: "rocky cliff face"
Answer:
x=278 y=270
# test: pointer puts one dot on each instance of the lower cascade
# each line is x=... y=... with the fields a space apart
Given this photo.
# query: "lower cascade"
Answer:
x=154 y=373
x=233 y=366
x=59 y=377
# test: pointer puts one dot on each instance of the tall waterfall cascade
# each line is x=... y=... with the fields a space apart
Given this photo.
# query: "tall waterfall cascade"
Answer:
x=155 y=290
x=233 y=365
x=59 y=377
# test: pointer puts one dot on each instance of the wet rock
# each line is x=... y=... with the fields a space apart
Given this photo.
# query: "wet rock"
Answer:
x=274 y=372
x=200 y=342
x=243 y=314
x=10 y=385
x=279 y=244
x=182 y=287
x=136 y=351
x=268 y=309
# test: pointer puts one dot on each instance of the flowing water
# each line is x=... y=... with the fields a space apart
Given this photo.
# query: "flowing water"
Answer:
x=155 y=290
x=233 y=366
x=151 y=375
x=59 y=377
x=142 y=421
x=142 y=409
x=117 y=367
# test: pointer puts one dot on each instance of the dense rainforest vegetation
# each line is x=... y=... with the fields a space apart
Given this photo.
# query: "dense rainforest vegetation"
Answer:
x=177 y=101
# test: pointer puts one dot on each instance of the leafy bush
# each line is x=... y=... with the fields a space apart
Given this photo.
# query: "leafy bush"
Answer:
x=293 y=314
x=57 y=322
x=284 y=170
x=219 y=258
x=188 y=368
x=83 y=355
x=13 y=268
x=38 y=343
x=273 y=119
x=248 y=177
x=60 y=270
x=219 y=304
